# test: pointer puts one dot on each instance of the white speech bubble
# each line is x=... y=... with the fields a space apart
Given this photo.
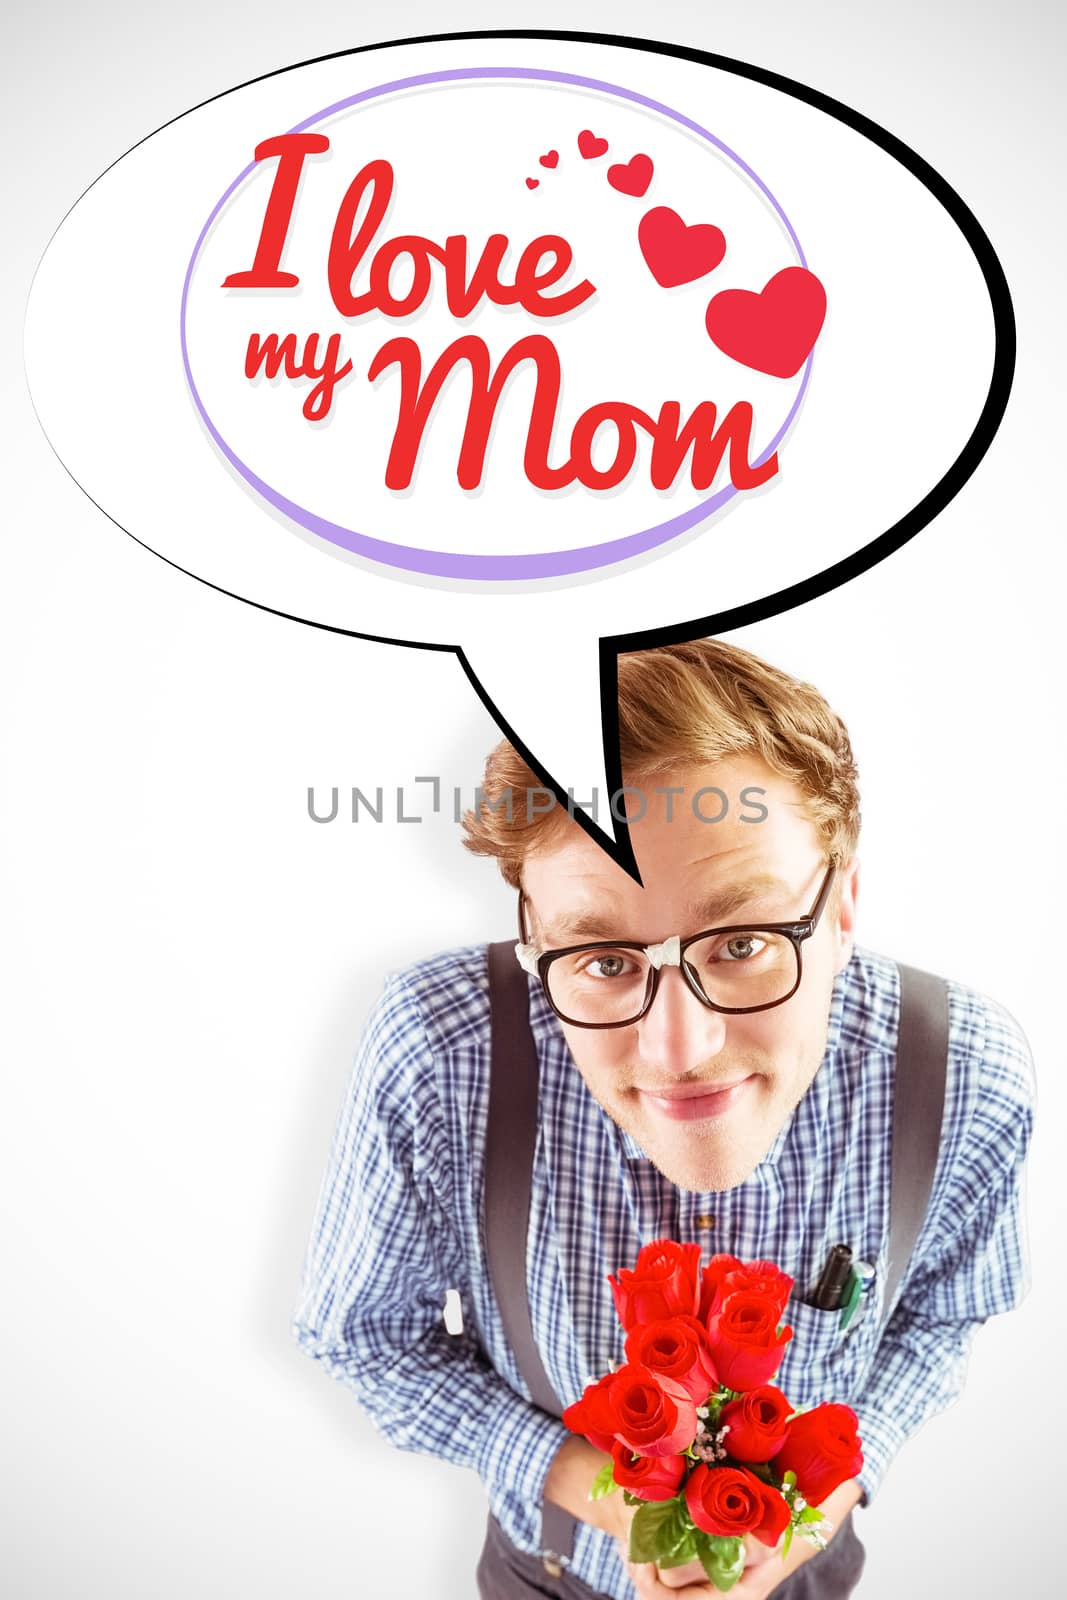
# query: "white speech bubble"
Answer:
x=424 y=371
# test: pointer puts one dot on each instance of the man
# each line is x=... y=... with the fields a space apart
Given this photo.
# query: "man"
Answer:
x=732 y=1088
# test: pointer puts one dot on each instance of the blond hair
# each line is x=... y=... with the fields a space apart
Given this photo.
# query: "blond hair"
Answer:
x=685 y=705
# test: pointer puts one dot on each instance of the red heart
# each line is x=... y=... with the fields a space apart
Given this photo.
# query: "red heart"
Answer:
x=773 y=331
x=531 y=183
x=633 y=178
x=590 y=145
x=551 y=159
x=676 y=253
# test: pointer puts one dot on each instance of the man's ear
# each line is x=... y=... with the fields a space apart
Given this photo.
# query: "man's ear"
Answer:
x=845 y=920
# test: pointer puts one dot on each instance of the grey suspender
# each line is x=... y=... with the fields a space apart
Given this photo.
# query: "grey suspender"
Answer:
x=510 y=1138
x=918 y=1106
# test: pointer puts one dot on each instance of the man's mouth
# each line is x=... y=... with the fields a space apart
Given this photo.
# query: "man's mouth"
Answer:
x=694 y=1101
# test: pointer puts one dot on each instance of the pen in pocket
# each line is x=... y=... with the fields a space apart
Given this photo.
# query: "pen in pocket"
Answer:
x=857 y=1291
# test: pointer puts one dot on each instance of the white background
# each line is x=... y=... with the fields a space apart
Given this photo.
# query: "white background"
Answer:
x=188 y=959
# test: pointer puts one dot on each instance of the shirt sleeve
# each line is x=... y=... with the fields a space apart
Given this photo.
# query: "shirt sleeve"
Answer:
x=382 y=1255
x=971 y=1260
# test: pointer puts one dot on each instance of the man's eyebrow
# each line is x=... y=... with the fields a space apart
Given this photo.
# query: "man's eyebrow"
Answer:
x=718 y=908
x=713 y=910
x=583 y=925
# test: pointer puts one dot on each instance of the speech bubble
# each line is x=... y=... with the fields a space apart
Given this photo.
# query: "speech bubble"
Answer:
x=536 y=348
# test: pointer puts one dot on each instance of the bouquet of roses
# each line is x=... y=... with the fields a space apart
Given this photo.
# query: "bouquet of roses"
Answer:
x=699 y=1438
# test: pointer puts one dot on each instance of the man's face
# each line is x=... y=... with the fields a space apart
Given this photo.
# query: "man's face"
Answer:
x=753 y=1069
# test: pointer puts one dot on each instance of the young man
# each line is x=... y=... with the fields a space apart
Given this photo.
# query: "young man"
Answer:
x=732 y=1087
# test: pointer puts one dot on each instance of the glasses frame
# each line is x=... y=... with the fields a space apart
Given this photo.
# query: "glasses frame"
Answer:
x=796 y=932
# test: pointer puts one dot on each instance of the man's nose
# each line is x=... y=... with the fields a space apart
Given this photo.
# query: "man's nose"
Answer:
x=680 y=1031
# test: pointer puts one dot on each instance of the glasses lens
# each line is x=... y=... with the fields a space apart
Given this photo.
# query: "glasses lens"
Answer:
x=599 y=985
x=744 y=968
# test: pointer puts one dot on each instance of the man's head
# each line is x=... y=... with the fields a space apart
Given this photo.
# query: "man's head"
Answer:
x=698 y=716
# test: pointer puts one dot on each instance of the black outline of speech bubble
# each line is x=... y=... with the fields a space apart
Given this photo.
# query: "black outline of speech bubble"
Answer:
x=620 y=849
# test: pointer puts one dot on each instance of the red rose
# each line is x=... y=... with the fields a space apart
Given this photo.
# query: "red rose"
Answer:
x=760 y=1277
x=664 y=1283
x=730 y=1502
x=676 y=1348
x=743 y=1337
x=725 y=1275
x=649 y=1477
x=823 y=1448
x=653 y=1416
x=711 y=1282
x=592 y=1416
x=757 y=1424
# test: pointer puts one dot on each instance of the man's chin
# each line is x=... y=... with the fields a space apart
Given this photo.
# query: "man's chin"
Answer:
x=707 y=1172
x=703 y=1144
x=699 y=1157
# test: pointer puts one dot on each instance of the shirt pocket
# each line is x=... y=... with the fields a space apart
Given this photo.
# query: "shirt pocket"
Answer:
x=823 y=1361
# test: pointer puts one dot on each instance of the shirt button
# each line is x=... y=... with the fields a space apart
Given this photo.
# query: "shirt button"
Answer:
x=705 y=1222
x=552 y=1566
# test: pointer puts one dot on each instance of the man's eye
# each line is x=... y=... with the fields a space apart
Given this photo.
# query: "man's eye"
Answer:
x=740 y=947
x=608 y=965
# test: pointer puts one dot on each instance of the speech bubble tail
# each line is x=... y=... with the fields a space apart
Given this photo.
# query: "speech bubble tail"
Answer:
x=566 y=706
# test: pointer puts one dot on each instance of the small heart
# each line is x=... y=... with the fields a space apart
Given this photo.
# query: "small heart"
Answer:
x=551 y=159
x=773 y=331
x=676 y=253
x=632 y=178
x=590 y=145
x=531 y=183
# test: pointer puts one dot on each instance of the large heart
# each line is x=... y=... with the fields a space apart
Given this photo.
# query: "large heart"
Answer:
x=631 y=177
x=675 y=252
x=773 y=331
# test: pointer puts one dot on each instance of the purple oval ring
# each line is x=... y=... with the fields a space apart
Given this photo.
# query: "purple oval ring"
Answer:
x=444 y=564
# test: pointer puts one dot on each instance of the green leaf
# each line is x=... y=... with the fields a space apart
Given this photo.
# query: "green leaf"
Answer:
x=787 y=1541
x=655 y=1529
x=789 y=1481
x=810 y=1514
x=632 y=1499
x=604 y=1482
x=685 y=1550
x=723 y=1560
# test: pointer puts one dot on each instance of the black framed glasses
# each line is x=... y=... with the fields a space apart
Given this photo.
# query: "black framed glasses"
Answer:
x=612 y=983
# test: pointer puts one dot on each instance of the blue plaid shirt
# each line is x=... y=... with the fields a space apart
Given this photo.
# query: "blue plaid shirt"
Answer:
x=398 y=1225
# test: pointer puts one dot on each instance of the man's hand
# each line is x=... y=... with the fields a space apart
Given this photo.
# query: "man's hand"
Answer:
x=690 y=1582
x=764 y=1568
x=573 y=1470
x=649 y=1584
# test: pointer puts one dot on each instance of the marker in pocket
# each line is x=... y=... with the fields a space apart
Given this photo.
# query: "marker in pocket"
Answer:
x=833 y=1281
x=857 y=1291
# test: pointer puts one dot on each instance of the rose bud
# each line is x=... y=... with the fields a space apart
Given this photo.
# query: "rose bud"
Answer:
x=591 y=1415
x=676 y=1348
x=757 y=1424
x=664 y=1283
x=649 y=1477
x=711 y=1280
x=729 y=1502
x=759 y=1277
x=746 y=1347
x=653 y=1416
x=822 y=1447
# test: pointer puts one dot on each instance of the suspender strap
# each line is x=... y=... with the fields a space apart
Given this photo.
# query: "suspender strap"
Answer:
x=510 y=1140
x=918 y=1108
